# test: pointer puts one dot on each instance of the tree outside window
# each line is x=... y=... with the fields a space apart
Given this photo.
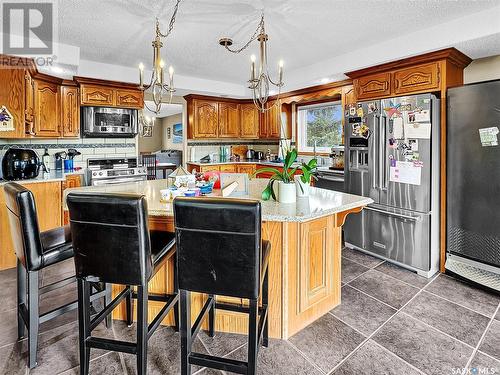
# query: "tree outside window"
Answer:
x=319 y=124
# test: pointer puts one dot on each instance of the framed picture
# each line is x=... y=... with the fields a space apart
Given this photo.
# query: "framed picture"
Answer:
x=169 y=133
x=177 y=131
x=147 y=131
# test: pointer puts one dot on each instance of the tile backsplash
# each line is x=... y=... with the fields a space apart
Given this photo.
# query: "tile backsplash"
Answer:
x=89 y=147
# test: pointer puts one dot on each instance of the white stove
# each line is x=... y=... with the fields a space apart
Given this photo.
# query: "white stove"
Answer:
x=109 y=171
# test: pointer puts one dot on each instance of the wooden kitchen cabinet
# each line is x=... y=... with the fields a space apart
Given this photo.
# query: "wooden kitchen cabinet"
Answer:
x=270 y=122
x=29 y=101
x=48 y=202
x=12 y=91
x=71 y=181
x=129 y=99
x=229 y=120
x=228 y=168
x=70 y=111
x=246 y=168
x=96 y=95
x=416 y=78
x=249 y=121
x=47 y=109
x=373 y=86
x=206 y=118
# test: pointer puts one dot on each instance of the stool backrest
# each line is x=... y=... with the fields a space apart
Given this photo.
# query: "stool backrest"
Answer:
x=24 y=228
x=218 y=245
x=110 y=237
x=149 y=161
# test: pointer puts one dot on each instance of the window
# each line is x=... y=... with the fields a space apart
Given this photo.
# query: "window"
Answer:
x=320 y=124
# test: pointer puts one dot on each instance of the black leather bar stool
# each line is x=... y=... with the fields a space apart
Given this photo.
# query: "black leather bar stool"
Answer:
x=113 y=244
x=220 y=252
x=36 y=250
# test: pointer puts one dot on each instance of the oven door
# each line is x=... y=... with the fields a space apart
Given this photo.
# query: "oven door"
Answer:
x=115 y=181
x=330 y=181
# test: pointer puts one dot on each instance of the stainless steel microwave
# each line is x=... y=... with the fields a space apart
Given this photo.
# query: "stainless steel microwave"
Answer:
x=109 y=122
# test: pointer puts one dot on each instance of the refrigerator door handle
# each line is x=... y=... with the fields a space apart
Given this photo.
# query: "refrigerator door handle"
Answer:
x=407 y=217
x=374 y=151
x=383 y=153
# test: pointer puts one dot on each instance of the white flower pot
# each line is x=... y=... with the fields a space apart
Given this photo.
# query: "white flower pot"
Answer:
x=302 y=188
x=286 y=192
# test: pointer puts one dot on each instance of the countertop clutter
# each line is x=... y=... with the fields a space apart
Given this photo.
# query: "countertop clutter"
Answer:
x=52 y=176
x=320 y=202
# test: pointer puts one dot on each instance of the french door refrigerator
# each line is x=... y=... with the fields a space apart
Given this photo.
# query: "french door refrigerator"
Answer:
x=473 y=182
x=392 y=156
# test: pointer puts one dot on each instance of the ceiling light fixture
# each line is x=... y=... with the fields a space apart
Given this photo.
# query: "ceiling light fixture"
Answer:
x=260 y=79
x=157 y=84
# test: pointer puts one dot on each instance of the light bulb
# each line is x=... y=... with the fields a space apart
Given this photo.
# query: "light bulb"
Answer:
x=171 y=70
x=281 y=63
x=162 y=64
x=141 y=67
x=252 y=58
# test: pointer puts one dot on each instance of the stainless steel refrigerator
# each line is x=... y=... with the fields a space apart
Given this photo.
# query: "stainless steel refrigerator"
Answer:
x=473 y=182
x=392 y=156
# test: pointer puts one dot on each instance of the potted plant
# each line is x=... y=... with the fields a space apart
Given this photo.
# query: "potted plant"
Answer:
x=285 y=179
x=303 y=181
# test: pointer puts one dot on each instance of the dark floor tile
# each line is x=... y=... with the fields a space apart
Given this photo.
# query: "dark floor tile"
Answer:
x=327 y=341
x=360 y=257
x=403 y=274
x=481 y=362
x=497 y=317
x=361 y=311
x=351 y=270
x=222 y=343
x=58 y=349
x=374 y=360
x=8 y=275
x=455 y=320
x=422 y=346
x=280 y=358
x=108 y=364
x=58 y=297
x=163 y=350
x=464 y=294
x=385 y=288
x=491 y=342
x=12 y=360
x=8 y=327
x=8 y=295
x=58 y=272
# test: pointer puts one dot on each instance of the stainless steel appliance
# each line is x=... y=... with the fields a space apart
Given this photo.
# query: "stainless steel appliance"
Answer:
x=330 y=179
x=473 y=183
x=19 y=164
x=114 y=171
x=109 y=122
x=392 y=156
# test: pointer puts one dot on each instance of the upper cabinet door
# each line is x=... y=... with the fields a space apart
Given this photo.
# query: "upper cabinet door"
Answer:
x=47 y=110
x=229 y=120
x=130 y=99
x=96 y=95
x=249 y=121
x=417 y=78
x=70 y=111
x=270 y=123
x=206 y=119
x=29 y=99
x=373 y=86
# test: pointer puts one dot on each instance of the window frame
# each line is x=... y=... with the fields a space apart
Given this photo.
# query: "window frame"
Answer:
x=304 y=150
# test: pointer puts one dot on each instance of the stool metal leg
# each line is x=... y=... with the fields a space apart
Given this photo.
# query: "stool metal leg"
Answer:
x=176 y=290
x=107 y=299
x=128 y=304
x=84 y=325
x=142 y=329
x=265 y=302
x=253 y=336
x=211 y=318
x=34 y=316
x=21 y=298
x=185 y=328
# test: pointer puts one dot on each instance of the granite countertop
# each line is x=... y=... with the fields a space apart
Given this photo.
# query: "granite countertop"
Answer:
x=320 y=202
x=53 y=176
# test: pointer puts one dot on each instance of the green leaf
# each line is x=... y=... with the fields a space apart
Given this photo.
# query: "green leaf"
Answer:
x=266 y=194
x=268 y=169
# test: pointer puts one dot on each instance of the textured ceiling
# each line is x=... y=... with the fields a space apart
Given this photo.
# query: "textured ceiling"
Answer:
x=301 y=32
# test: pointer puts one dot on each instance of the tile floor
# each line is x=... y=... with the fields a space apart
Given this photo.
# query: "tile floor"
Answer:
x=391 y=321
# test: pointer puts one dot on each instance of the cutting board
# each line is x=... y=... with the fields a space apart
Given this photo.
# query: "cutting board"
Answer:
x=239 y=150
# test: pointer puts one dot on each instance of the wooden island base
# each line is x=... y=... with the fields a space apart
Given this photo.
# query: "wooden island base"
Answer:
x=304 y=276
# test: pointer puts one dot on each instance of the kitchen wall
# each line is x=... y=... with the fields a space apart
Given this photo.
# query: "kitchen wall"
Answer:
x=168 y=123
x=154 y=143
x=484 y=69
x=89 y=147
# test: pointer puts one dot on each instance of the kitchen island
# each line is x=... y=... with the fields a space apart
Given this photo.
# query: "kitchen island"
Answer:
x=304 y=266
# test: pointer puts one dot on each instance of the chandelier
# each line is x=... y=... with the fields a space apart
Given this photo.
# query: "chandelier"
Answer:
x=146 y=124
x=157 y=83
x=260 y=80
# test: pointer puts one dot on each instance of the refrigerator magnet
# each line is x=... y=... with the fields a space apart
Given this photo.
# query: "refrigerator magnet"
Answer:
x=413 y=143
x=360 y=111
x=372 y=107
x=352 y=111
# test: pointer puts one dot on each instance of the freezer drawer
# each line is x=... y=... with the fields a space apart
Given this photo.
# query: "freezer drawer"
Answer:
x=400 y=235
x=354 y=229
